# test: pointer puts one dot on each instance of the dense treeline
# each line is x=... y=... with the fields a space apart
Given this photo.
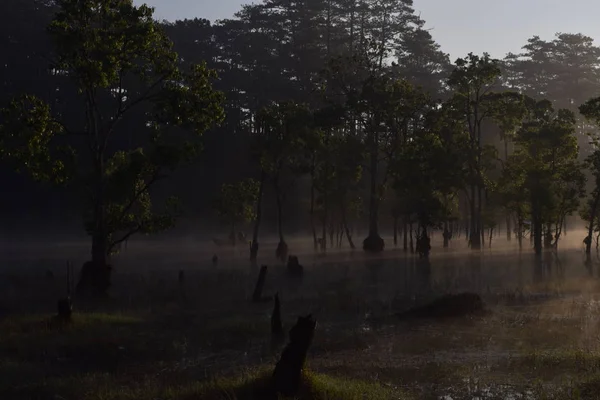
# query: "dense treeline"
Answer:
x=343 y=113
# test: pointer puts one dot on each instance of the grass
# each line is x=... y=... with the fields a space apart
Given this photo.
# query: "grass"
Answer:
x=215 y=345
x=251 y=385
x=112 y=357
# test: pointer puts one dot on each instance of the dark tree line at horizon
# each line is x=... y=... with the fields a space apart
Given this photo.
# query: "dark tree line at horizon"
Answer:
x=344 y=113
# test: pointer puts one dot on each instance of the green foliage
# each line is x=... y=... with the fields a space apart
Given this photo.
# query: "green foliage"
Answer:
x=473 y=76
x=121 y=62
x=543 y=172
x=590 y=211
x=26 y=134
x=236 y=201
x=285 y=128
x=426 y=176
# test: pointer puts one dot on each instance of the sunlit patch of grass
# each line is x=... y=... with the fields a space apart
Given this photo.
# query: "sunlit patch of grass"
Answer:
x=560 y=361
x=36 y=324
x=251 y=385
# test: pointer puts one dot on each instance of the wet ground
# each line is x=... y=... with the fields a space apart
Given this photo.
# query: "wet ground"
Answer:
x=541 y=338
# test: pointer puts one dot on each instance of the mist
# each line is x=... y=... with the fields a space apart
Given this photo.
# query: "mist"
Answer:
x=309 y=200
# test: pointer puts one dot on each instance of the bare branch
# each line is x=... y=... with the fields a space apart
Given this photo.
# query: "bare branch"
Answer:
x=124 y=110
x=124 y=238
x=155 y=178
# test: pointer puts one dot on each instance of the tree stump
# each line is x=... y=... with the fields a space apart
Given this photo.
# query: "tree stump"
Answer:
x=260 y=284
x=94 y=280
x=373 y=244
x=282 y=251
x=65 y=310
x=448 y=306
x=253 y=250
x=288 y=371
x=276 y=324
x=181 y=280
x=215 y=260
x=294 y=268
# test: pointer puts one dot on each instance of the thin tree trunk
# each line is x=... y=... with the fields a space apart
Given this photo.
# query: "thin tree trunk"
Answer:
x=395 y=230
x=588 y=244
x=279 y=214
x=446 y=235
x=312 y=210
x=374 y=242
x=374 y=196
x=100 y=276
x=254 y=245
x=405 y=236
x=412 y=248
x=536 y=221
x=345 y=223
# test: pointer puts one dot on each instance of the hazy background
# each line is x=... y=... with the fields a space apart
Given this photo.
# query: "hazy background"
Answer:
x=459 y=26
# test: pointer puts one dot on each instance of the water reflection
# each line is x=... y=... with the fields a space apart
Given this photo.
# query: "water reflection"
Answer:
x=484 y=273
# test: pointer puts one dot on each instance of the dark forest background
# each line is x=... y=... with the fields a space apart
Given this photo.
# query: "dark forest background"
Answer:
x=268 y=52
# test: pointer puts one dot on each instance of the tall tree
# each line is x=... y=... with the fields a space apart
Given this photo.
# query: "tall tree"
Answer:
x=283 y=131
x=591 y=111
x=473 y=81
x=122 y=63
x=545 y=162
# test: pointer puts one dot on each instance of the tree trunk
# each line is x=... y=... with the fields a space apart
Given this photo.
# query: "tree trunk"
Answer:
x=324 y=233
x=96 y=280
x=260 y=284
x=412 y=248
x=288 y=371
x=446 y=235
x=345 y=222
x=282 y=248
x=331 y=234
x=588 y=242
x=374 y=243
x=474 y=235
x=405 y=236
x=395 y=230
x=312 y=212
x=536 y=221
x=254 y=246
x=279 y=216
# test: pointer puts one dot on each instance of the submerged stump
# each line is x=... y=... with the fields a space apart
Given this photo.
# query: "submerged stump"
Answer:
x=277 y=334
x=282 y=251
x=94 y=279
x=448 y=306
x=65 y=310
x=288 y=371
x=373 y=244
x=294 y=268
x=260 y=284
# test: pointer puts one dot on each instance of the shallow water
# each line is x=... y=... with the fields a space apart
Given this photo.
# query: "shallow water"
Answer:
x=347 y=291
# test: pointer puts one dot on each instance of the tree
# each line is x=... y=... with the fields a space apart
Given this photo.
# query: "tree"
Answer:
x=428 y=171
x=422 y=63
x=509 y=111
x=546 y=168
x=473 y=80
x=236 y=203
x=383 y=112
x=126 y=74
x=284 y=128
x=591 y=111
